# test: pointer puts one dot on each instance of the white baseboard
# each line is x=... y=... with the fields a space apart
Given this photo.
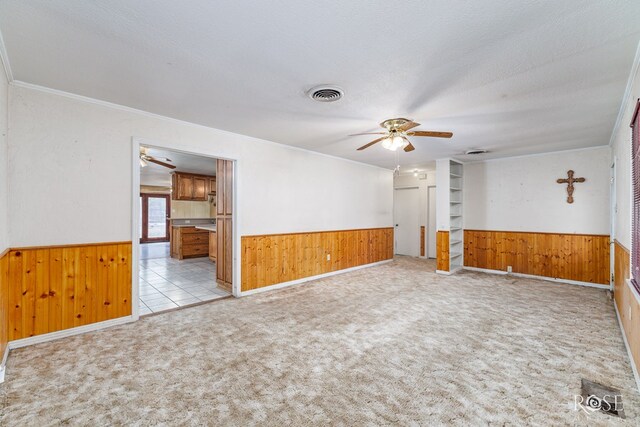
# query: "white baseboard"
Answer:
x=310 y=278
x=38 y=339
x=531 y=276
x=3 y=364
x=626 y=344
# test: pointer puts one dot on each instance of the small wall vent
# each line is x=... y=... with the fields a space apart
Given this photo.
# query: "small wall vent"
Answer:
x=325 y=93
x=475 y=151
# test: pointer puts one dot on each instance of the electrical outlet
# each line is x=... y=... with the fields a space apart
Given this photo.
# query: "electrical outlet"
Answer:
x=187 y=221
x=509 y=269
x=328 y=257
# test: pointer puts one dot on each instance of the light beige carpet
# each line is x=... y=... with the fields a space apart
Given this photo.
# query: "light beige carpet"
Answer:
x=393 y=344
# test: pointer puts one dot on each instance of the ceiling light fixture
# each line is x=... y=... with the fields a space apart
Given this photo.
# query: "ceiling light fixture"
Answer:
x=394 y=142
x=415 y=172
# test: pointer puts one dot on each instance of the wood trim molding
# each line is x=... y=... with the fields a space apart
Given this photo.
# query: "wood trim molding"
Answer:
x=422 y=237
x=317 y=232
x=536 y=232
x=576 y=257
x=30 y=248
x=278 y=258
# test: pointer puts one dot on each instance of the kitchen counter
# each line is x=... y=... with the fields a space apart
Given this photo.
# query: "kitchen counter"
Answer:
x=208 y=227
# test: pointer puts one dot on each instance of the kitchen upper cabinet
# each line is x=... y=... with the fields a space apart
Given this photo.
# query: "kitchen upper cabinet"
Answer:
x=212 y=185
x=190 y=187
x=199 y=188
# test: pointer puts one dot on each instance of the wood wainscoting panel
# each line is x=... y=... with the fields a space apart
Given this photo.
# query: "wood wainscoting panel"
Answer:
x=580 y=257
x=422 y=236
x=4 y=301
x=442 y=250
x=61 y=287
x=626 y=302
x=278 y=258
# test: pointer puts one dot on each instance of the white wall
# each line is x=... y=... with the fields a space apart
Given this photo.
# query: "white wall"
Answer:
x=71 y=175
x=521 y=194
x=4 y=117
x=621 y=151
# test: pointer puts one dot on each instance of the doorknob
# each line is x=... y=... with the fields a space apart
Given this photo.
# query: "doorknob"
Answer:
x=396 y=225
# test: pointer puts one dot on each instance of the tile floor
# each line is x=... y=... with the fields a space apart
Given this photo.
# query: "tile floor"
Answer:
x=167 y=283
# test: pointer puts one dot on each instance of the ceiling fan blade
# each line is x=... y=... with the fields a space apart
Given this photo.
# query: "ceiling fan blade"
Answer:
x=430 y=133
x=375 y=141
x=409 y=147
x=158 y=162
x=408 y=125
x=369 y=133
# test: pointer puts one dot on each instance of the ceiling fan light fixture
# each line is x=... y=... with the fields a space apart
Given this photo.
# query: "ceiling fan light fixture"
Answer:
x=394 y=142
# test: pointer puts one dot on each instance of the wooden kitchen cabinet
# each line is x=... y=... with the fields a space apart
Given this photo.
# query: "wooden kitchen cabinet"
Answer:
x=224 y=224
x=189 y=242
x=213 y=246
x=191 y=187
x=212 y=185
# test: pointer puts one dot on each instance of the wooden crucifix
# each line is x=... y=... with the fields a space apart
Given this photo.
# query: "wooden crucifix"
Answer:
x=569 y=181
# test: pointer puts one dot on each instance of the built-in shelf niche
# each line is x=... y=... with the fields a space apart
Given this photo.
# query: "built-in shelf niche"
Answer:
x=455 y=216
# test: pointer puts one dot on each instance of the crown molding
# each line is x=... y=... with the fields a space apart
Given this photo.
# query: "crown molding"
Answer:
x=107 y=104
x=546 y=153
x=5 y=59
x=626 y=97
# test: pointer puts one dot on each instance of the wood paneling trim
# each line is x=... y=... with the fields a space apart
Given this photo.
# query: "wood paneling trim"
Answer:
x=317 y=232
x=29 y=248
x=277 y=258
x=61 y=287
x=580 y=257
x=422 y=236
x=442 y=250
x=538 y=232
x=626 y=302
x=4 y=301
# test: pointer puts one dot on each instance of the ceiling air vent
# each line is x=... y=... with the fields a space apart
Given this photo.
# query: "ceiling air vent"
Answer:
x=474 y=151
x=325 y=93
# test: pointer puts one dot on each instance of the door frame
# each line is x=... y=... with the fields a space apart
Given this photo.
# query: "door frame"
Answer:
x=145 y=218
x=136 y=142
x=612 y=222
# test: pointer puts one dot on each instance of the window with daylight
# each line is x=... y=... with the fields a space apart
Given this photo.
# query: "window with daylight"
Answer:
x=635 y=219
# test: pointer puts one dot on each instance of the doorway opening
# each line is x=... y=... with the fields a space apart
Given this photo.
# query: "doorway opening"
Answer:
x=406 y=214
x=185 y=212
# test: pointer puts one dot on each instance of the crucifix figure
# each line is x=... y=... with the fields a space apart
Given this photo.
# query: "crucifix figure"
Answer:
x=569 y=181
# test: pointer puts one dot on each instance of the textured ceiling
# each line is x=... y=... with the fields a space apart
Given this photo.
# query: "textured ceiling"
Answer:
x=513 y=77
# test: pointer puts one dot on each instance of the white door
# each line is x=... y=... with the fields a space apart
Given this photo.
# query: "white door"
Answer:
x=407 y=221
x=431 y=222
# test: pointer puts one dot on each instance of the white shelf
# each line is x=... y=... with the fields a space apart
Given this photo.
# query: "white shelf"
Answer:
x=455 y=242
x=455 y=216
x=455 y=203
x=455 y=189
x=454 y=228
x=456 y=254
x=453 y=175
